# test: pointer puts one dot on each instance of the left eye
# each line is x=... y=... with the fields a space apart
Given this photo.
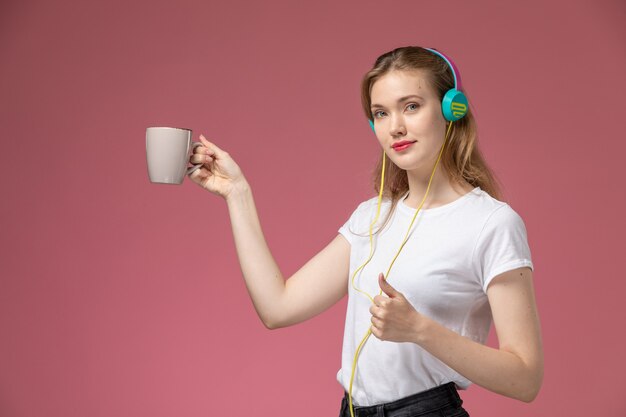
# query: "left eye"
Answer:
x=412 y=106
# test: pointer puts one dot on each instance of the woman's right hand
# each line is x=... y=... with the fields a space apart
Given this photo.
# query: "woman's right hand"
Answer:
x=219 y=173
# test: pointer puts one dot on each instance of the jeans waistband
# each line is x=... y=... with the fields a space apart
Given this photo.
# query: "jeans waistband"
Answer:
x=422 y=402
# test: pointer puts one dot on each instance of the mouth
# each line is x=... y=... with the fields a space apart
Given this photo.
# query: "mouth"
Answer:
x=402 y=145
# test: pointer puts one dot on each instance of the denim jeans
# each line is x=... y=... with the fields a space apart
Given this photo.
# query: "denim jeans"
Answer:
x=441 y=401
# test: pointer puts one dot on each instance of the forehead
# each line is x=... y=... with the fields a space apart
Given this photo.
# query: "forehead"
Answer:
x=398 y=83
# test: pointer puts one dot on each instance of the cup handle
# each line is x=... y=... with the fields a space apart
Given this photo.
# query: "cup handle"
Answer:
x=194 y=167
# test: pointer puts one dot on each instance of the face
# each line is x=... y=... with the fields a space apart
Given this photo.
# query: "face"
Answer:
x=405 y=107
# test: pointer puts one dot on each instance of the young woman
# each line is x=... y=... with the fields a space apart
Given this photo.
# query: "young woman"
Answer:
x=447 y=256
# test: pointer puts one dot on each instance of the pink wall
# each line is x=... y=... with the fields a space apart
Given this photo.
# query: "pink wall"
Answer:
x=123 y=298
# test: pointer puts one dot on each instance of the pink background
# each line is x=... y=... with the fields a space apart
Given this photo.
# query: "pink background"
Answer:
x=123 y=298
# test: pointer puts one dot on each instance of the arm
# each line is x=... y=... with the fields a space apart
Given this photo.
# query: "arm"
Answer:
x=516 y=368
x=314 y=288
x=319 y=284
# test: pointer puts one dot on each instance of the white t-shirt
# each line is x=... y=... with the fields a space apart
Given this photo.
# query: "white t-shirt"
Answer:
x=452 y=254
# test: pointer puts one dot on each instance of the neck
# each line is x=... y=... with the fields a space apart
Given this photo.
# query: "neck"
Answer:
x=442 y=189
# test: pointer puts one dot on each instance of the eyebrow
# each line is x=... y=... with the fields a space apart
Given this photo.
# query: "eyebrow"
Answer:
x=400 y=100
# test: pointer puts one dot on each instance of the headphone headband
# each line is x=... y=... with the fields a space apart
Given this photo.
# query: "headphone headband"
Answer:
x=455 y=71
x=454 y=103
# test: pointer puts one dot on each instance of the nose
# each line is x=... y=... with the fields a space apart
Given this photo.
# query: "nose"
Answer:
x=397 y=127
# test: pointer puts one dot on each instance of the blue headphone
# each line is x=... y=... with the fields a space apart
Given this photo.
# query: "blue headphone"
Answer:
x=454 y=103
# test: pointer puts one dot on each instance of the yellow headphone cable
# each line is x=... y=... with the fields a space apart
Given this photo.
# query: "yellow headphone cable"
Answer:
x=382 y=182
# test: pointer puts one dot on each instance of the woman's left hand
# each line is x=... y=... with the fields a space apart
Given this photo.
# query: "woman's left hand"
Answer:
x=393 y=317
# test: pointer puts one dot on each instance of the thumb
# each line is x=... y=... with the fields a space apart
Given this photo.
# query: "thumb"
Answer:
x=386 y=287
x=212 y=147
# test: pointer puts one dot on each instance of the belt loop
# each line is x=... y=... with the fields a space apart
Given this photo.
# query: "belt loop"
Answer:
x=455 y=394
x=452 y=388
x=380 y=411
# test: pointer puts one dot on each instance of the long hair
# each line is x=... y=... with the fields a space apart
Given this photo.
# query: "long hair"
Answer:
x=461 y=158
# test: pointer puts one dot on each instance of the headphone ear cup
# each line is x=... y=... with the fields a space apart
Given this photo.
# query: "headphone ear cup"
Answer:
x=454 y=105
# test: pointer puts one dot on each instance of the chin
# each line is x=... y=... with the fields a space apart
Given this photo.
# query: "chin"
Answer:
x=405 y=164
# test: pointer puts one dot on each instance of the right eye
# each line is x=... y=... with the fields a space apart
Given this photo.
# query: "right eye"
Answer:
x=378 y=114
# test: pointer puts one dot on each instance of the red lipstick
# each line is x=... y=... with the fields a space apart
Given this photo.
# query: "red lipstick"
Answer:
x=402 y=145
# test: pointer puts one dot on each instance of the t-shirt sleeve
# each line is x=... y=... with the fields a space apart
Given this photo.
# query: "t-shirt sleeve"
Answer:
x=502 y=245
x=351 y=225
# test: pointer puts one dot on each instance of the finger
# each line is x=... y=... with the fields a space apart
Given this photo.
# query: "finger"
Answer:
x=387 y=289
x=202 y=150
x=200 y=158
x=199 y=174
x=379 y=300
x=375 y=331
x=378 y=314
x=213 y=148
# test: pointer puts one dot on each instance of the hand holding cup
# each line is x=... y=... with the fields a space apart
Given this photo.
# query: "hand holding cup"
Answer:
x=219 y=173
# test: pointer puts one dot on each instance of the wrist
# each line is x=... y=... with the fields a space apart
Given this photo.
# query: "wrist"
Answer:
x=421 y=328
x=239 y=190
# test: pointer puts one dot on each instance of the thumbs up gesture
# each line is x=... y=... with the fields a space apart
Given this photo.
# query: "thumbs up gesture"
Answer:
x=393 y=318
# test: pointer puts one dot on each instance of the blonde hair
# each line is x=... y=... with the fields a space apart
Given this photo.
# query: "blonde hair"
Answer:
x=461 y=158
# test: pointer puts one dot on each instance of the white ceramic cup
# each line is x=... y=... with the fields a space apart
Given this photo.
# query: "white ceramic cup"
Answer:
x=167 y=153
